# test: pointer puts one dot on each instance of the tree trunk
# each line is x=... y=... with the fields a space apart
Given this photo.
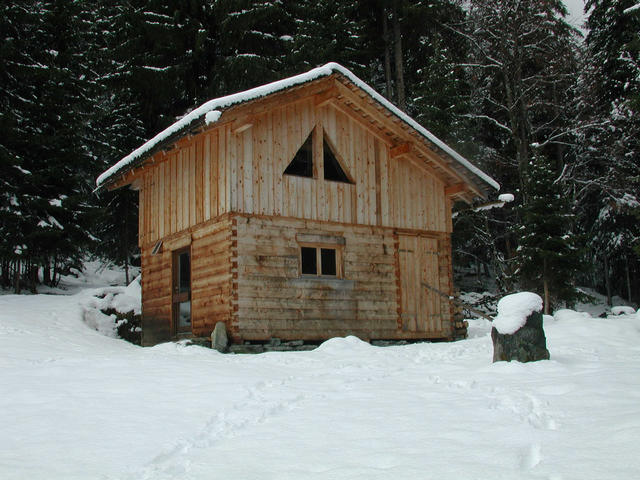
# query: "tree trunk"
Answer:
x=545 y=285
x=387 y=54
x=16 y=277
x=46 y=273
x=33 y=277
x=628 y=277
x=397 y=43
x=607 y=280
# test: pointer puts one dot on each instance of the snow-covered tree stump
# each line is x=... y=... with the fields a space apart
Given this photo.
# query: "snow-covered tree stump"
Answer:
x=517 y=331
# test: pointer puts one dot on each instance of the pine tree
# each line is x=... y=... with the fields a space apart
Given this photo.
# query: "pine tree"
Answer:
x=523 y=56
x=254 y=41
x=609 y=177
x=44 y=116
x=548 y=253
x=329 y=31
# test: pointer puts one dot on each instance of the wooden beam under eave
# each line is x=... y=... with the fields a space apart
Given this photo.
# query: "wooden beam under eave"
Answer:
x=129 y=178
x=454 y=189
x=425 y=167
x=240 y=127
x=342 y=108
x=443 y=165
x=258 y=106
x=136 y=185
x=402 y=149
x=395 y=125
x=390 y=123
x=323 y=98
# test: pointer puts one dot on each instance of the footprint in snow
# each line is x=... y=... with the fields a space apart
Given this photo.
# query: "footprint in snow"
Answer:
x=532 y=456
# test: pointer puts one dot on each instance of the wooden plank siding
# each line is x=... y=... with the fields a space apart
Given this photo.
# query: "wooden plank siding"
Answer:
x=211 y=281
x=275 y=300
x=224 y=193
x=219 y=171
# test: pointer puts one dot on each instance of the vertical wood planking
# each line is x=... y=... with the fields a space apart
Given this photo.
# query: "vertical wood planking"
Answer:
x=206 y=174
x=246 y=143
x=192 y=184
x=268 y=202
x=279 y=136
x=214 y=176
x=200 y=198
x=235 y=178
x=224 y=172
x=141 y=212
x=219 y=171
x=258 y=164
x=372 y=179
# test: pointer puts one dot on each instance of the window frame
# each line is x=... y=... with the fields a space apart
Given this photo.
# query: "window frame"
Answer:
x=318 y=248
x=320 y=140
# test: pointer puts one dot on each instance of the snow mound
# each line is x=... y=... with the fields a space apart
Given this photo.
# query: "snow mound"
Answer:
x=622 y=310
x=121 y=299
x=101 y=323
x=513 y=311
x=339 y=345
x=565 y=314
x=130 y=299
x=506 y=197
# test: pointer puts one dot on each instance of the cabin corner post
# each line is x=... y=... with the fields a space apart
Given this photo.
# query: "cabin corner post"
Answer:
x=445 y=267
x=234 y=307
x=396 y=255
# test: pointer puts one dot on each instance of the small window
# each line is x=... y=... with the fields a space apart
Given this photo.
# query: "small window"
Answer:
x=302 y=163
x=323 y=261
x=328 y=261
x=309 y=261
x=332 y=169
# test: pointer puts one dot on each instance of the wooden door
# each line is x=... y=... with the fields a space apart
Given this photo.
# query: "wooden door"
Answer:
x=181 y=288
x=421 y=310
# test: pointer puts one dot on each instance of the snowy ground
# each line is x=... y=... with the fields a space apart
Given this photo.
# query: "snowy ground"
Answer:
x=75 y=404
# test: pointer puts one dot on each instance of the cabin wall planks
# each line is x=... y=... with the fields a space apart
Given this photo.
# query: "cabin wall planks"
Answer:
x=223 y=193
x=211 y=280
x=219 y=171
x=275 y=300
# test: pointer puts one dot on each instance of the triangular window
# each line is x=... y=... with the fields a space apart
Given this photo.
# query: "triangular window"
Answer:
x=302 y=163
x=332 y=169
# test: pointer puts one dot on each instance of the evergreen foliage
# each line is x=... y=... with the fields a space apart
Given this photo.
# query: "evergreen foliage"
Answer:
x=84 y=83
x=609 y=179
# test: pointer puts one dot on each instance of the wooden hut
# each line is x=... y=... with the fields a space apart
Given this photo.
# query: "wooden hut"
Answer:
x=303 y=209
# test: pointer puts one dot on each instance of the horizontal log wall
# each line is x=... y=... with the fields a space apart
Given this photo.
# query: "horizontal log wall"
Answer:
x=274 y=300
x=156 y=295
x=210 y=247
x=211 y=277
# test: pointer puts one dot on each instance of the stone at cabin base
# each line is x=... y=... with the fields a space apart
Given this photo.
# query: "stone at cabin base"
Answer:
x=528 y=344
x=219 y=339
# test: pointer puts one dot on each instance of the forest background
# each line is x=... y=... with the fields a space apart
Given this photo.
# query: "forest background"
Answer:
x=547 y=110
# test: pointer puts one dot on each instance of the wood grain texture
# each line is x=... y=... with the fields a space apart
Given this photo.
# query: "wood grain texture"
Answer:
x=223 y=192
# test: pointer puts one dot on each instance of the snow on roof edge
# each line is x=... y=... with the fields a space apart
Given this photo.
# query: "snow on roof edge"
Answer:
x=211 y=111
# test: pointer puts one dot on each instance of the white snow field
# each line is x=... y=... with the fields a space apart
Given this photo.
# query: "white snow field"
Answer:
x=75 y=404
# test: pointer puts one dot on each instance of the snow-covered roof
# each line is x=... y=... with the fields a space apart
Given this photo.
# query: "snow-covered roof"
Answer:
x=211 y=111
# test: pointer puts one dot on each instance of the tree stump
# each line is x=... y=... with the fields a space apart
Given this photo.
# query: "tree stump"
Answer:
x=528 y=342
